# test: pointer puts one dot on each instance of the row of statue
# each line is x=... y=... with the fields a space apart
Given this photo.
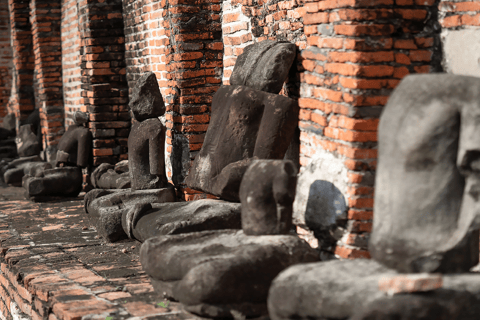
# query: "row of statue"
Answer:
x=239 y=255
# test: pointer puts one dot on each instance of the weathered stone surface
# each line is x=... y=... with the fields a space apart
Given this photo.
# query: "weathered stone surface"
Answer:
x=105 y=177
x=34 y=120
x=65 y=181
x=28 y=144
x=74 y=147
x=80 y=118
x=9 y=122
x=37 y=169
x=146 y=160
x=8 y=149
x=320 y=202
x=264 y=65
x=245 y=124
x=5 y=134
x=147 y=101
x=222 y=272
x=97 y=174
x=328 y=290
x=121 y=167
x=435 y=305
x=426 y=191
x=144 y=221
x=105 y=207
x=340 y=289
x=16 y=169
x=266 y=193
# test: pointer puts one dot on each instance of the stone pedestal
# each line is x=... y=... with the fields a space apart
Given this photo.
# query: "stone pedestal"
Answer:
x=104 y=208
x=56 y=182
x=221 y=273
x=353 y=288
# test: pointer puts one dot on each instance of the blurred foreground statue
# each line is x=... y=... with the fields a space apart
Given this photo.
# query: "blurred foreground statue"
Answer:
x=427 y=215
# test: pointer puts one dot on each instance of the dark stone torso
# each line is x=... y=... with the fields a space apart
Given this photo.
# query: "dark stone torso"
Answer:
x=267 y=192
x=146 y=155
x=77 y=143
x=245 y=123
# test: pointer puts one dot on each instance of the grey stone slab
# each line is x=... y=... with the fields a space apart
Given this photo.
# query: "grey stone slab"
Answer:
x=344 y=289
x=150 y=220
x=104 y=208
x=436 y=305
x=327 y=290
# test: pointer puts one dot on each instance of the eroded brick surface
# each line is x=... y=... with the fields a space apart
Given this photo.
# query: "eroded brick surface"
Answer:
x=6 y=63
x=54 y=266
x=21 y=101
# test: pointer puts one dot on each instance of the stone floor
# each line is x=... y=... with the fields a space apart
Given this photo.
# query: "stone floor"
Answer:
x=54 y=266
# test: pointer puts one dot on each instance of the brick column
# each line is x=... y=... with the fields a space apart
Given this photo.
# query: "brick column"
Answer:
x=22 y=98
x=145 y=41
x=6 y=59
x=71 y=60
x=45 y=17
x=181 y=42
x=104 y=87
x=358 y=52
x=194 y=72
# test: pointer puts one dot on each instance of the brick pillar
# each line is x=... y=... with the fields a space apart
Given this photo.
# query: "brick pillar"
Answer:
x=358 y=52
x=71 y=59
x=22 y=97
x=194 y=72
x=6 y=59
x=181 y=42
x=104 y=87
x=145 y=41
x=45 y=17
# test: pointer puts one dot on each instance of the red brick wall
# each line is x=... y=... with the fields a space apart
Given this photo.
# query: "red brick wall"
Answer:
x=45 y=18
x=6 y=63
x=145 y=39
x=104 y=87
x=181 y=41
x=463 y=14
x=22 y=99
x=71 y=59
